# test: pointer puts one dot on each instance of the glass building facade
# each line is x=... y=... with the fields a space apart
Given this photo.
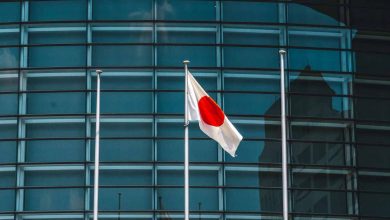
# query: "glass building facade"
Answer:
x=338 y=108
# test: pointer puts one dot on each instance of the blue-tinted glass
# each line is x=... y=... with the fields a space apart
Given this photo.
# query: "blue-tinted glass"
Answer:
x=9 y=84
x=65 y=199
x=9 y=57
x=125 y=102
x=8 y=131
x=122 y=10
x=9 y=11
x=130 y=82
x=206 y=196
x=313 y=14
x=9 y=104
x=57 y=56
x=173 y=56
x=126 y=35
x=68 y=35
x=247 y=11
x=177 y=82
x=192 y=10
x=200 y=150
x=7 y=200
x=7 y=179
x=176 y=130
x=56 y=83
x=124 y=150
x=251 y=151
x=54 y=178
x=319 y=60
x=11 y=38
x=320 y=201
x=257 y=83
x=132 y=199
x=250 y=57
x=7 y=151
x=58 y=10
x=253 y=200
x=198 y=177
x=53 y=129
x=250 y=36
x=56 y=103
x=124 y=177
x=124 y=129
x=122 y=56
x=172 y=198
x=55 y=151
x=251 y=104
x=194 y=35
x=311 y=39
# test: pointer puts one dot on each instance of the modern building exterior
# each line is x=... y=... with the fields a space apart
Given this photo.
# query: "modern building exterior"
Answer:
x=338 y=53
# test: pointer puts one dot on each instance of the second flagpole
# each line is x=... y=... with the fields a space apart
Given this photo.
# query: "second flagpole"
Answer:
x=97 y=142
x=186 y=150
x=284 y=135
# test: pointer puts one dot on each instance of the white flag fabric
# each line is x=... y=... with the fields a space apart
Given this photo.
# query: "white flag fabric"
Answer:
x=212 y=120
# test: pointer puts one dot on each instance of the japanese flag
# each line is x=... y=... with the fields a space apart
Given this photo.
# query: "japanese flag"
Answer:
x=212 y=121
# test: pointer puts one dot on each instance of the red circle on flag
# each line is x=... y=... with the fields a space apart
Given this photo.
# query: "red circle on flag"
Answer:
x=210 y=112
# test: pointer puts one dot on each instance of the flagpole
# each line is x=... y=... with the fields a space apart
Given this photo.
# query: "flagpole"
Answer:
x=284 y=136
x=186 y=153
x=97 y=142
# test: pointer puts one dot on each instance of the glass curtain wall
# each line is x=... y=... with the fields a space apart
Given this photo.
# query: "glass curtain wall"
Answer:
x=338 y=108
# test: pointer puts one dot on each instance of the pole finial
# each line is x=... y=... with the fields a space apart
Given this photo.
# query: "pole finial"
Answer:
x=99 y=71
x=282 y=51
x=185 y=62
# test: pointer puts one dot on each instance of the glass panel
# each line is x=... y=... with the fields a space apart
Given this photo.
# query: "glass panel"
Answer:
x=7 y=179
x=57 y=10
x=9 y=83
x=320 y=202
x=57 y=56
x=318 y=60
x=9 y=57
x=198 y=177
x=7 y=200
x=251 y=104
x=250 y=57
x=317 y=133
x=122 y=10
x=372 y=135
x=124 y=150
x=372 y=109
x=370 y=18
x=329 y=154
x=371 y=63
x=252 y=83
x=123 y=177
x=253 y=179
x=54 y=178
x=56 y=103
x=373 y=156
x=124 y=129
x=9 y=104
x=313 y=14
x=56 y=35
x=251 y=151
x=253 y=200
x=192 y=10
x=133 y=199
x=9 y=38
x=9 y=11
x=65 y=199
x=319 y=181
x=375 y=182
x=246 y=11
x=7 y=151
x=50 y=130
x=55 y=151
x=8 y=131
x=122 y=55
x=374 y=204
x=122 y=34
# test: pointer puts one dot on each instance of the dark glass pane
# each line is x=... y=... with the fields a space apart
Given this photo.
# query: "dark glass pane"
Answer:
x=372 y=89
x=320 y=202
x=198 y=177
x=9 y=57
x=57 y=37
x=172 y=56
x=373 y=135
x=373 y=156
x=8 y=131
x=314 y=14
x=8 y=83
x=9 y=38
x=374 y=204
x=317 y=133
x=318 y=60
x=253 y=200
x=58 y=10
x=319 y=181
x=318 y=153
x=374 y=183
x=253 y=179
x=126 y=34
x=250 y=57
x=371 y=63
x=122 y=10
x=370 y=18
x=7 y=179
x=257 y=151
x=372 y=109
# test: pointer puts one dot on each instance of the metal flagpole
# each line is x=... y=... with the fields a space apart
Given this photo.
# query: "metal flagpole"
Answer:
x=97 y=142
x=284 y=136
x=186 y=157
